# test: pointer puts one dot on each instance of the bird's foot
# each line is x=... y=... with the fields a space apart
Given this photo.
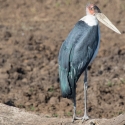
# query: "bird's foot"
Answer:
x=85 y=118
x=76 y=118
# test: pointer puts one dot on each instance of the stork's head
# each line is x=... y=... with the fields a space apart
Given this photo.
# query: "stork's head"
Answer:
x=92 y=9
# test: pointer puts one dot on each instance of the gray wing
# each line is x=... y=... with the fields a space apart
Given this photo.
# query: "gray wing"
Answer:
x=76 y=53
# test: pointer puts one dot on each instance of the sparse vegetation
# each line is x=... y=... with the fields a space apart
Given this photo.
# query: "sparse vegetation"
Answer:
x=120 y=112
x=31 y=90
x=59 y=3
x=67 y=2
x=122 y=81
x=55 y=115
x=21 y=106
x=110 y=84
x=31 y=108
x=79 y=112
x=51 y=89
x=68 y=114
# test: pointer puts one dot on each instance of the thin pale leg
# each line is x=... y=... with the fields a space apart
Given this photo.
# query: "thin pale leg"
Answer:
x=85 y=117
x=74 y=111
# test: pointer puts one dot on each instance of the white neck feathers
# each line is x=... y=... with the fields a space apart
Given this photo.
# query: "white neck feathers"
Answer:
x=90 y=20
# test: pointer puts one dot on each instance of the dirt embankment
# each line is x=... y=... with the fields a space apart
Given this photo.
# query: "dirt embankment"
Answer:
x=31 y=33
x=14 y=116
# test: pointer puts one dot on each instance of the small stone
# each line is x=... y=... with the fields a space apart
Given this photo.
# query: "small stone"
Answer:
x=27 y=103
x=41 y=97
x=53 y=100
x=24 y=80
x=28 y=68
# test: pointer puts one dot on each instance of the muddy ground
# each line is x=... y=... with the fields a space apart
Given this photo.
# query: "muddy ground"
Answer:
x=10 y=115
x=31 y=33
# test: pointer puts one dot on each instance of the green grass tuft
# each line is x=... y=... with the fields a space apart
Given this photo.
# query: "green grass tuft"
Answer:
x=109 y=84
x=68 y=114
x=55 y=115
x=51 y=89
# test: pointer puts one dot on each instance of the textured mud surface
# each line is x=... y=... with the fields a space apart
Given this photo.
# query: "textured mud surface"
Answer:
x=31 y=33
x=14 y=116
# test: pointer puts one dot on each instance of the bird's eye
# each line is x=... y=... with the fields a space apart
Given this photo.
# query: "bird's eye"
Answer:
x=91 y=8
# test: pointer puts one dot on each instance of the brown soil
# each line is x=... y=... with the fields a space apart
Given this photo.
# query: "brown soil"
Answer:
x=14 y=116
x=30 y=38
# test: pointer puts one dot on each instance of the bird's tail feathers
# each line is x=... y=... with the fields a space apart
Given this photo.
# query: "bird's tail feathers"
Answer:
x=64 y=83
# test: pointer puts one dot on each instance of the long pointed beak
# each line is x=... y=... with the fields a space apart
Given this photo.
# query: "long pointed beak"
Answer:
x=103 y=19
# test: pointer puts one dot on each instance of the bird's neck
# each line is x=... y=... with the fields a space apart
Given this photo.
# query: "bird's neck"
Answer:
x=90 y=20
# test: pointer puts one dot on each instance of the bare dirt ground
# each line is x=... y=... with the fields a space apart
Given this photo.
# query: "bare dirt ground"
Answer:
x=30 y=38
x=13 y=116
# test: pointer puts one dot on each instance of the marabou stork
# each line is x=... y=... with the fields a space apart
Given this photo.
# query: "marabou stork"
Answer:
x=78 y=51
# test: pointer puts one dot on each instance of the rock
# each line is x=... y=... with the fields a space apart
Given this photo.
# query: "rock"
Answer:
x=28 y=68
x=24 y=80
x=53 y=101
x=15 y=75
x=41 y=97
x=27 y=103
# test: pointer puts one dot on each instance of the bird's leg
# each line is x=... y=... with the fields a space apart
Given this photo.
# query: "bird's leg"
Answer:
x=85 y=117
x=74 y=110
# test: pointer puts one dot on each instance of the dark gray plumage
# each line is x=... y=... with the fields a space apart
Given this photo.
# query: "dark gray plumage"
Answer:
x=75 y=55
